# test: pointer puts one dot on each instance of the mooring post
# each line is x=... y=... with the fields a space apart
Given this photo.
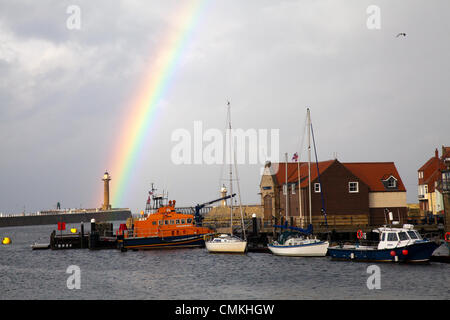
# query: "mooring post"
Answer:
x=255 y=226
x=82 y=234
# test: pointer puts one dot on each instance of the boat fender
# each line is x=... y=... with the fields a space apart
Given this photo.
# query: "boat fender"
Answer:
x=392 y=253
x=6 y=240
x=447 y=237
x=405 y=252
x=359 y=234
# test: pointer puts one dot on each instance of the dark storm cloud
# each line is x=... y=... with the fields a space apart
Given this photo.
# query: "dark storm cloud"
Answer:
x=63 y=92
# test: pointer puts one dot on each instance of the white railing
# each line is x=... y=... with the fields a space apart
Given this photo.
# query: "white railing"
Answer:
x=57 y=212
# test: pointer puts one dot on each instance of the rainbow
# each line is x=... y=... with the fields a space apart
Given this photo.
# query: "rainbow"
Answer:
x=143 y=110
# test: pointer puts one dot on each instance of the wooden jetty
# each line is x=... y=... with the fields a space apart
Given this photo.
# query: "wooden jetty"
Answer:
x=100 y=237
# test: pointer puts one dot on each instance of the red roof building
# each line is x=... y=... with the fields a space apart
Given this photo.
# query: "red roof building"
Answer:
x=429 y=178
x=350 y=193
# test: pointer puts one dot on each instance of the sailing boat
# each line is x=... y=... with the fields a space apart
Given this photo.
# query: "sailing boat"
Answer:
x=296 y=241
x=229 y=243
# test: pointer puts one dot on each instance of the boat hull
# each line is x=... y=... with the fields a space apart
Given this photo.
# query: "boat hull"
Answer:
x=442 y=253
x=185 y=241
x=227 y=247
x=318 y=249
x=417 y=252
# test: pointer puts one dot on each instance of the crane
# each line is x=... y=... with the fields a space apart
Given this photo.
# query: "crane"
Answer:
x=198 y=218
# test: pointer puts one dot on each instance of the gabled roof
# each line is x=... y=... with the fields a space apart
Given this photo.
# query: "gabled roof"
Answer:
x=433 y=167
x=373 y=174
x=292 y=174
x=431 y=162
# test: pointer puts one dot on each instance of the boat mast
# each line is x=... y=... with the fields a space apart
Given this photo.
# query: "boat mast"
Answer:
x=287 y=190
x=309 y=163
x=299 y=192
x=239 y=196
x=231 y=167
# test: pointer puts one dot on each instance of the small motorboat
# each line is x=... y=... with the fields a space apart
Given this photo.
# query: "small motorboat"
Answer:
x=395 y=245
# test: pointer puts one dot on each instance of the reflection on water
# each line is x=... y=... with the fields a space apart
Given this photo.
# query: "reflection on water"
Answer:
x=196 y=274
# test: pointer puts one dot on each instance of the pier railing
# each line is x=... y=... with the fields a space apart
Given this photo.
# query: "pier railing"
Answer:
x=58 y=212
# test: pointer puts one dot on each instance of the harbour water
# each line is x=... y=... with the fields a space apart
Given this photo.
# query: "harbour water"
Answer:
x=196 y=274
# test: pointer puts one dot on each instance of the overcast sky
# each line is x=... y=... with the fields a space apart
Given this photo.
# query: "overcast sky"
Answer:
x=373 y=96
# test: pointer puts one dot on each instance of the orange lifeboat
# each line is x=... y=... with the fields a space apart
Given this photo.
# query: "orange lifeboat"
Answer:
x=165 y=228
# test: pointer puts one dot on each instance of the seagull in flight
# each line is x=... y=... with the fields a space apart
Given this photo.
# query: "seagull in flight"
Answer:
x=401 y=34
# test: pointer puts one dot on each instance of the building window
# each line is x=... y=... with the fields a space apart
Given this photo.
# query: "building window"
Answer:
x=293 y=188
x=353 y=187
x=420 y=174
x=426 y=188
x=316 y=187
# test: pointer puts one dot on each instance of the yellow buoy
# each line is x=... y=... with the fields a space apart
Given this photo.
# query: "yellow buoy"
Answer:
x=6 y=240
x=73 y=230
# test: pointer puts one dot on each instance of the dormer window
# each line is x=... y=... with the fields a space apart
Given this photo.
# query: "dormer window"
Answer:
x=390 y=183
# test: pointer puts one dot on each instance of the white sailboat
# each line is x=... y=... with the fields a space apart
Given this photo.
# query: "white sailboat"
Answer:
x=229 y=243
x=300 y=243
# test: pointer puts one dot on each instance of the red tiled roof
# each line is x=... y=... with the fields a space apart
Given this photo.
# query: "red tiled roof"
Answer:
x=373 y=173
x=431 y=169
x=431 y=162
x=292 y=173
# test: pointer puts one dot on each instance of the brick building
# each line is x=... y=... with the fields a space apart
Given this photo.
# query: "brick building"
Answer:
x=351 y=193
x=429 y=179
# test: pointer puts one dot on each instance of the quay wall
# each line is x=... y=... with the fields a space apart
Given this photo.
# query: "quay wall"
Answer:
x=107 y=215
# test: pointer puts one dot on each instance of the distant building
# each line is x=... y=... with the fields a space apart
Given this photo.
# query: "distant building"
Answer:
x=353 y=193
x=429 y=181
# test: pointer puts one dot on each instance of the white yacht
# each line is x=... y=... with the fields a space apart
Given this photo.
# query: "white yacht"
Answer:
x=226 y=243
x=301 y=242
x=229 y=243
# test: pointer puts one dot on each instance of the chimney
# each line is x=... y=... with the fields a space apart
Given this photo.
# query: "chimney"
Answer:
x=436 y=153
